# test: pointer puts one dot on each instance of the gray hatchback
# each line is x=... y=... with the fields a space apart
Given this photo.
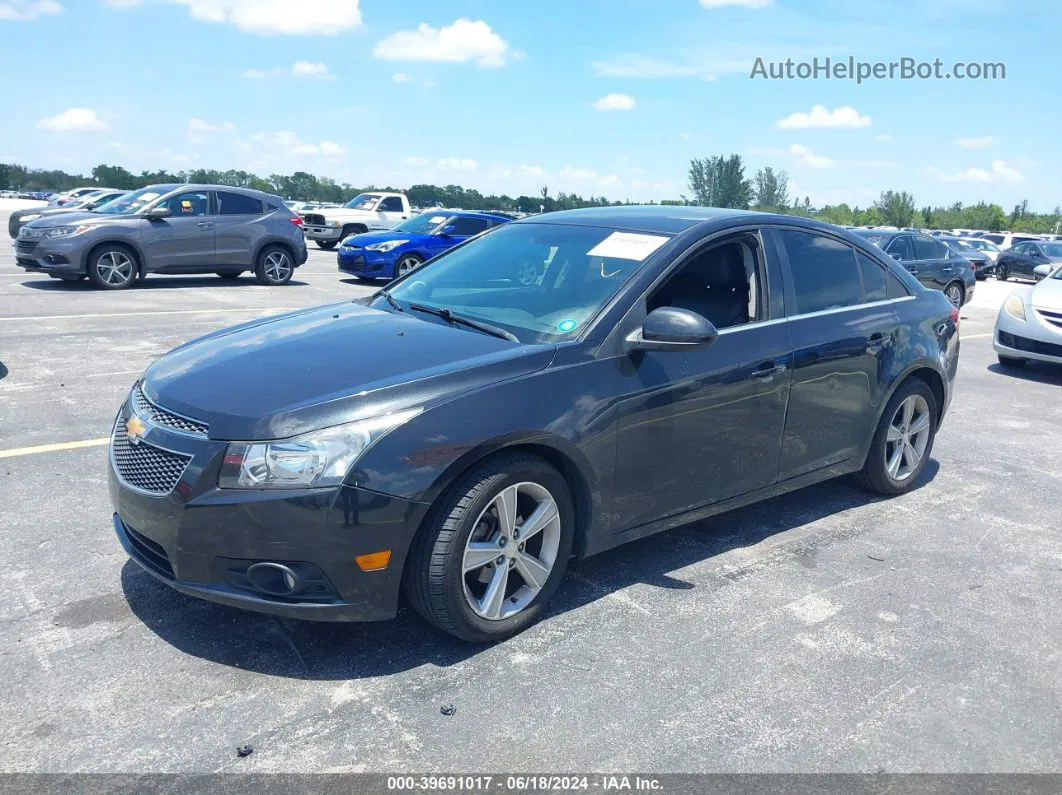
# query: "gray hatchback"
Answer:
x=168 y=229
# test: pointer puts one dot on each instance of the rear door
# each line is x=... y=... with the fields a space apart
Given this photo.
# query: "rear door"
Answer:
x=1022 y=261
x=844 y=329
x=184 y=240
x=239 y=225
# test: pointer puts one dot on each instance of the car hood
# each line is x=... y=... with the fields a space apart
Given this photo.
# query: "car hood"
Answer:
x=285 y=375
x=368 y=238
x=64 y=218
x=1047 y=294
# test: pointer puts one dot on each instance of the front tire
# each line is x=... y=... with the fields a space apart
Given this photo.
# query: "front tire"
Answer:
x=275 y=266
x=470 y=572
x=112 y=266
x=407 y=264
x=1002 y=273
x=1010 y=362
x=327 y=245
x=903 y=440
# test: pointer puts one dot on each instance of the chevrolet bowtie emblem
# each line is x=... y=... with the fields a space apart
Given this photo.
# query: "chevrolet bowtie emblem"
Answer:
x=134 y=429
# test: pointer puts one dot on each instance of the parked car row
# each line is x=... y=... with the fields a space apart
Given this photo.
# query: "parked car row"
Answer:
x=930 y=260
x=166 y=229
x=87 y=202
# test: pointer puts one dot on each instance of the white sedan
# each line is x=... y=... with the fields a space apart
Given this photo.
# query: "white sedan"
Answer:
x=1030 y=326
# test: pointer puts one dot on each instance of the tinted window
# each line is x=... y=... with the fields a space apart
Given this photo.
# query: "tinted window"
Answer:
x=1020 y=248
x=392 y=204
x=469 y=226
x=824 y=271
x=873 y=276
x=238 y=204
x=927 y=248
x=897 y=289
x=997 y=239
x=190 y=203
x=900 y=248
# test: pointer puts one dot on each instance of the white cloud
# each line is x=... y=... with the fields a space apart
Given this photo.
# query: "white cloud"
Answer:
x=287 y=142
x=743 y=3
x=197 y=129
x=277 y=17
x=975 y=143
x=578 y=173
x=1000 y=172
x=400 y=77
x=465 y=40
x=457 y=164
x=810 y=158
x=532 y=171
x=28 y=10
x=413 y=161
x=820 y=118
x=329 y=149
x=609 y=181
x=882 y=138
x=314 y=69
x=73 y=120
x=615 y=102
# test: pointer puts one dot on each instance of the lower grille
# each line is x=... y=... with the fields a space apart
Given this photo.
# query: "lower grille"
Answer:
x=313 y=219
x=1028 y=345
x=144 y=467
x=26 y=246
x=149 y=552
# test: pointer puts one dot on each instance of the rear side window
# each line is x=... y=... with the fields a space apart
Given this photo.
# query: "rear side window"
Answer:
x=469 y=226
x=897 y=289
x=873 y=275
x=928 y=248
x=238 y=204
x=825 y=274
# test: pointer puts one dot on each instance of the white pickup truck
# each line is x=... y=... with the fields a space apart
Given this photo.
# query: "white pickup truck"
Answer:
x=365 y=212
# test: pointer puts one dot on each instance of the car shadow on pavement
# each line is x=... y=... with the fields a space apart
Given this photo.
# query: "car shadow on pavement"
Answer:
x=339 y=651
x=1040 y=372
x=154 y=283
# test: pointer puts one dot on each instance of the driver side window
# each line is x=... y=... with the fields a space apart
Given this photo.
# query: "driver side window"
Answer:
x=723 y=283
x=191 y=203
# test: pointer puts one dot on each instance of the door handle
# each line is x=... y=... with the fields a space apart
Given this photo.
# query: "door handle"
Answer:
x=768 y=370
x=911 y=268
x=205 y=224
x=946 y=270
x=878 y=341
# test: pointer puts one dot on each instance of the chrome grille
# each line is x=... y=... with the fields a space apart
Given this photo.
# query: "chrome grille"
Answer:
x=160 y=416
x=1051 y=316
x=143 y=466
x=314 y=219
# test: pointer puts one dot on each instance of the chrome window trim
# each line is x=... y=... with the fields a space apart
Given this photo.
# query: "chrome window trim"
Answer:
x=837 y=309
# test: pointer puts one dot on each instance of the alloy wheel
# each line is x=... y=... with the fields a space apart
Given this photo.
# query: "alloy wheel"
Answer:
x=277 y=266
x=954 y=294
x=907 y=438
x=511 y=551
x=114 y=268
x=407 y=265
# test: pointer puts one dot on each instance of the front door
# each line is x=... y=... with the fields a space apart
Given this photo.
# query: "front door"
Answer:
x=185 y=239
x=844 y=329
x=391 y=212
x=698 y=427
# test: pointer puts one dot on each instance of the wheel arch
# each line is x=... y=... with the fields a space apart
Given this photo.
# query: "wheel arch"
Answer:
x=138 y=251
x=275 y=241
x=922 y=371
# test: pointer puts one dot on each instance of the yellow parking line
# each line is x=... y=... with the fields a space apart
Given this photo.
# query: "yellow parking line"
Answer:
x=16 y=452
x=166 y=312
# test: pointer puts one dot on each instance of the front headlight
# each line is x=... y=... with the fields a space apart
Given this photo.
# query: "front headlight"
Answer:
x=332 y=222
x=66 y=231
x=1014 y=306
x=387 y=245
x=31 y=217
x=314 y=460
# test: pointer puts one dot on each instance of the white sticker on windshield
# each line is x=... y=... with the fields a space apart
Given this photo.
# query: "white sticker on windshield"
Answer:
x=438 y=219
x=625 y=245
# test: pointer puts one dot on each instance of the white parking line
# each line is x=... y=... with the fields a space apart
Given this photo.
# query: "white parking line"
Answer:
x=17 y=452
x=215 y=311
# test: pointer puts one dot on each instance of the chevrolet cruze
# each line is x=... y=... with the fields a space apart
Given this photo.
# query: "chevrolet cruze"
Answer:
x=459 y=436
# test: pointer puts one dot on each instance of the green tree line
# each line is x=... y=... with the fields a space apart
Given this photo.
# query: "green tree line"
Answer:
x=718 y=181
x=300 y=186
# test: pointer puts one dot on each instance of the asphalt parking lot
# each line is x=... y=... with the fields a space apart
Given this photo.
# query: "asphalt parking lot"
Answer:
x=825 y=631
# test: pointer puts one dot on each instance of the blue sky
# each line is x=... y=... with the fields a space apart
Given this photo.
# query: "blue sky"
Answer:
x=607 y=97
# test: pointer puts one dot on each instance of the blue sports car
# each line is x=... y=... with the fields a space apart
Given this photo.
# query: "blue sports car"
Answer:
x=396 y=252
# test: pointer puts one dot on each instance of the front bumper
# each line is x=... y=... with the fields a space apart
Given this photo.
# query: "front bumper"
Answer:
x=44 y=255
x=326 y=233
x=1038 y=337
x=362 y=262
x=201 y=540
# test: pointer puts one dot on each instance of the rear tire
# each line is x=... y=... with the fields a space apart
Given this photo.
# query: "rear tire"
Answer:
x=1010 y=362
x=956 y=294
x=327 y=245
x=112 y=266
x=467 y=521
x=889 y=469
x=275 y=266
x=1002 y=273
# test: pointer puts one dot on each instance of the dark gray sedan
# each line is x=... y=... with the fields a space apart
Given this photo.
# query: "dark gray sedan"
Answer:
x=929 y=260
x=176 y=229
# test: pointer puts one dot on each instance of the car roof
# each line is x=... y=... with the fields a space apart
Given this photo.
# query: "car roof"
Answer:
x=468 y=214
x=166 y=188
x=661 y=219
x=883 y=232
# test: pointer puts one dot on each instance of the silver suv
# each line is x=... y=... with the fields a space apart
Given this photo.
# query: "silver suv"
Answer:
x=168 y=229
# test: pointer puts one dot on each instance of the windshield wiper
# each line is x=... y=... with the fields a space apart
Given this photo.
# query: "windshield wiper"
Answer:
x=391 y=300
x=458 y=320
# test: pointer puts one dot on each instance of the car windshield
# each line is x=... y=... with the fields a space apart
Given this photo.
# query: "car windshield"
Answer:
x=877 y=239
x=961 y=245
x=541 y=282
x=423 y=224
x=363 y=201
x=132 y=202
x=1052 y=250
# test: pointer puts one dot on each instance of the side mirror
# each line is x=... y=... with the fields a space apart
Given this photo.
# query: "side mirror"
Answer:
x=671 y=329
x=895 y=256
x=158 y=213
x=447 y=231
x=1042 y=271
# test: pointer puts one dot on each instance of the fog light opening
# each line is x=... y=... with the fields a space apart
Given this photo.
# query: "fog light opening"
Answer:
x=274 y=579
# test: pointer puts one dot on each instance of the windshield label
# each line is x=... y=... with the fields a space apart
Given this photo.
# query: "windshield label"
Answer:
x=567 y=325
x=625 y=245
